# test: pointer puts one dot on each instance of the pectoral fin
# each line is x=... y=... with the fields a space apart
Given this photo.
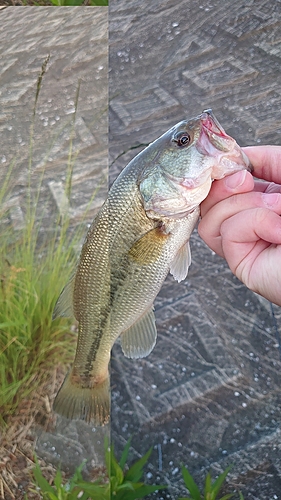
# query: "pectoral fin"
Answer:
x=139 y=340
x=149 y=247
x=64 y=304
x=179 y=266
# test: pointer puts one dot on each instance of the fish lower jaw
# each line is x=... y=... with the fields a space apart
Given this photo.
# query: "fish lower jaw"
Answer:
x=229 y=164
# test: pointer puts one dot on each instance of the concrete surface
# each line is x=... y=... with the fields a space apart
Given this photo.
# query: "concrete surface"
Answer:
x=78 y=47
x=209 y=393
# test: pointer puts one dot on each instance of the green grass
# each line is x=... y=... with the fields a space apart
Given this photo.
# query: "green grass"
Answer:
x=79 y=2
x=123 y=483
x=32 y=275
x=211 y=489
x=34 y=267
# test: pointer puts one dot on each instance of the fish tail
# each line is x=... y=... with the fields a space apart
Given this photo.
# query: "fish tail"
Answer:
x=91 y=404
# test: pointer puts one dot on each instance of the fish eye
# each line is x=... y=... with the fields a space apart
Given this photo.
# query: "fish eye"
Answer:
x=182 y=139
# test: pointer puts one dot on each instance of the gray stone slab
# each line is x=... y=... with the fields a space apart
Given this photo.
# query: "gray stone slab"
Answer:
x=209 y=393
x=78 y=47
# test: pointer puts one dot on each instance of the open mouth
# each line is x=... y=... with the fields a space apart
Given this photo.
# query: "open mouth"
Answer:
x=211 y=124
x=213 y=139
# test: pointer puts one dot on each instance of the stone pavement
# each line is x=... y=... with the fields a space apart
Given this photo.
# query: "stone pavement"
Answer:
x=78 y=47
x=209 y=393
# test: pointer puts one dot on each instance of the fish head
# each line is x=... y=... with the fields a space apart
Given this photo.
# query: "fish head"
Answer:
x=186 y=159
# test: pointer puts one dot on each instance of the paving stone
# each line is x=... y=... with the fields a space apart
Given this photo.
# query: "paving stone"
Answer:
x=209 y=393
x=78 y=47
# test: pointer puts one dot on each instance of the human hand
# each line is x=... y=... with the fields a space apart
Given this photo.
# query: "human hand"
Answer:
x=241 y=222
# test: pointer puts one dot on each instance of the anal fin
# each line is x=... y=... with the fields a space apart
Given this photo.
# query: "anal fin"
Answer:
x=139 y=340
x=179 y=266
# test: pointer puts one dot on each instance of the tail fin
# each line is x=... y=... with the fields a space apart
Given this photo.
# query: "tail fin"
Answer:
x=89 y=404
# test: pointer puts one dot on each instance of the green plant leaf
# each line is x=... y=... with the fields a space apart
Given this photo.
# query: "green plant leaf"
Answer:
x=225 y=497
x=140 y=492
x=99 y=2
x=58 y=480
x=127 y=485
x=40 y=480
x=93 y=490
x=136 y=470
x=116 y=470
x=190 y=484
x=241 y=497
x=52 y=496
x=77 y=476
x=219 y=481
x=208 y=484
x=146 y=489
x=125 y=454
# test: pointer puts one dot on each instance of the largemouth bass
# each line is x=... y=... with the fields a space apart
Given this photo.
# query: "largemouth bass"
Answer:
x=140 y=235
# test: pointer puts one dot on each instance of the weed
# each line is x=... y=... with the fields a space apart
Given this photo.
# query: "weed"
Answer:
x=122 y=485
x=68 y=491
x=211 y=490
x=126 y=485
x=79 y=2
x=34 y=267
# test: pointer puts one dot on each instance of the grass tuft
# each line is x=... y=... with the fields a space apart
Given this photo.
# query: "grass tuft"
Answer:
x=35 y=264
x=32 y=276
x=122 y=483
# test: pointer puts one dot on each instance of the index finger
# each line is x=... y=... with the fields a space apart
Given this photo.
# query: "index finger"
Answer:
x=266 y=161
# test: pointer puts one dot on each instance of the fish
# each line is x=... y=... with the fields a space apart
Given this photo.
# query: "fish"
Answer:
x=140 y=234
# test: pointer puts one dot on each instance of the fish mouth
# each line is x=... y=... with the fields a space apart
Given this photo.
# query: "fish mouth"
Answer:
x=216 y=143
x=213 y=139
x=211 y=124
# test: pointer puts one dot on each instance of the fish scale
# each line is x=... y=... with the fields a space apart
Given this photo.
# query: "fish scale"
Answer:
x=140 y=234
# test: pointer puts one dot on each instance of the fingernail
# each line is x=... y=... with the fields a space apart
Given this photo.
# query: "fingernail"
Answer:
x=235 y=180
x=271 y=199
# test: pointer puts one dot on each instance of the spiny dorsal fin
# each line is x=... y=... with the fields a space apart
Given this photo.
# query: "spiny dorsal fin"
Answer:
x=64 y=304
x=179 y=266
x=139 y=340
